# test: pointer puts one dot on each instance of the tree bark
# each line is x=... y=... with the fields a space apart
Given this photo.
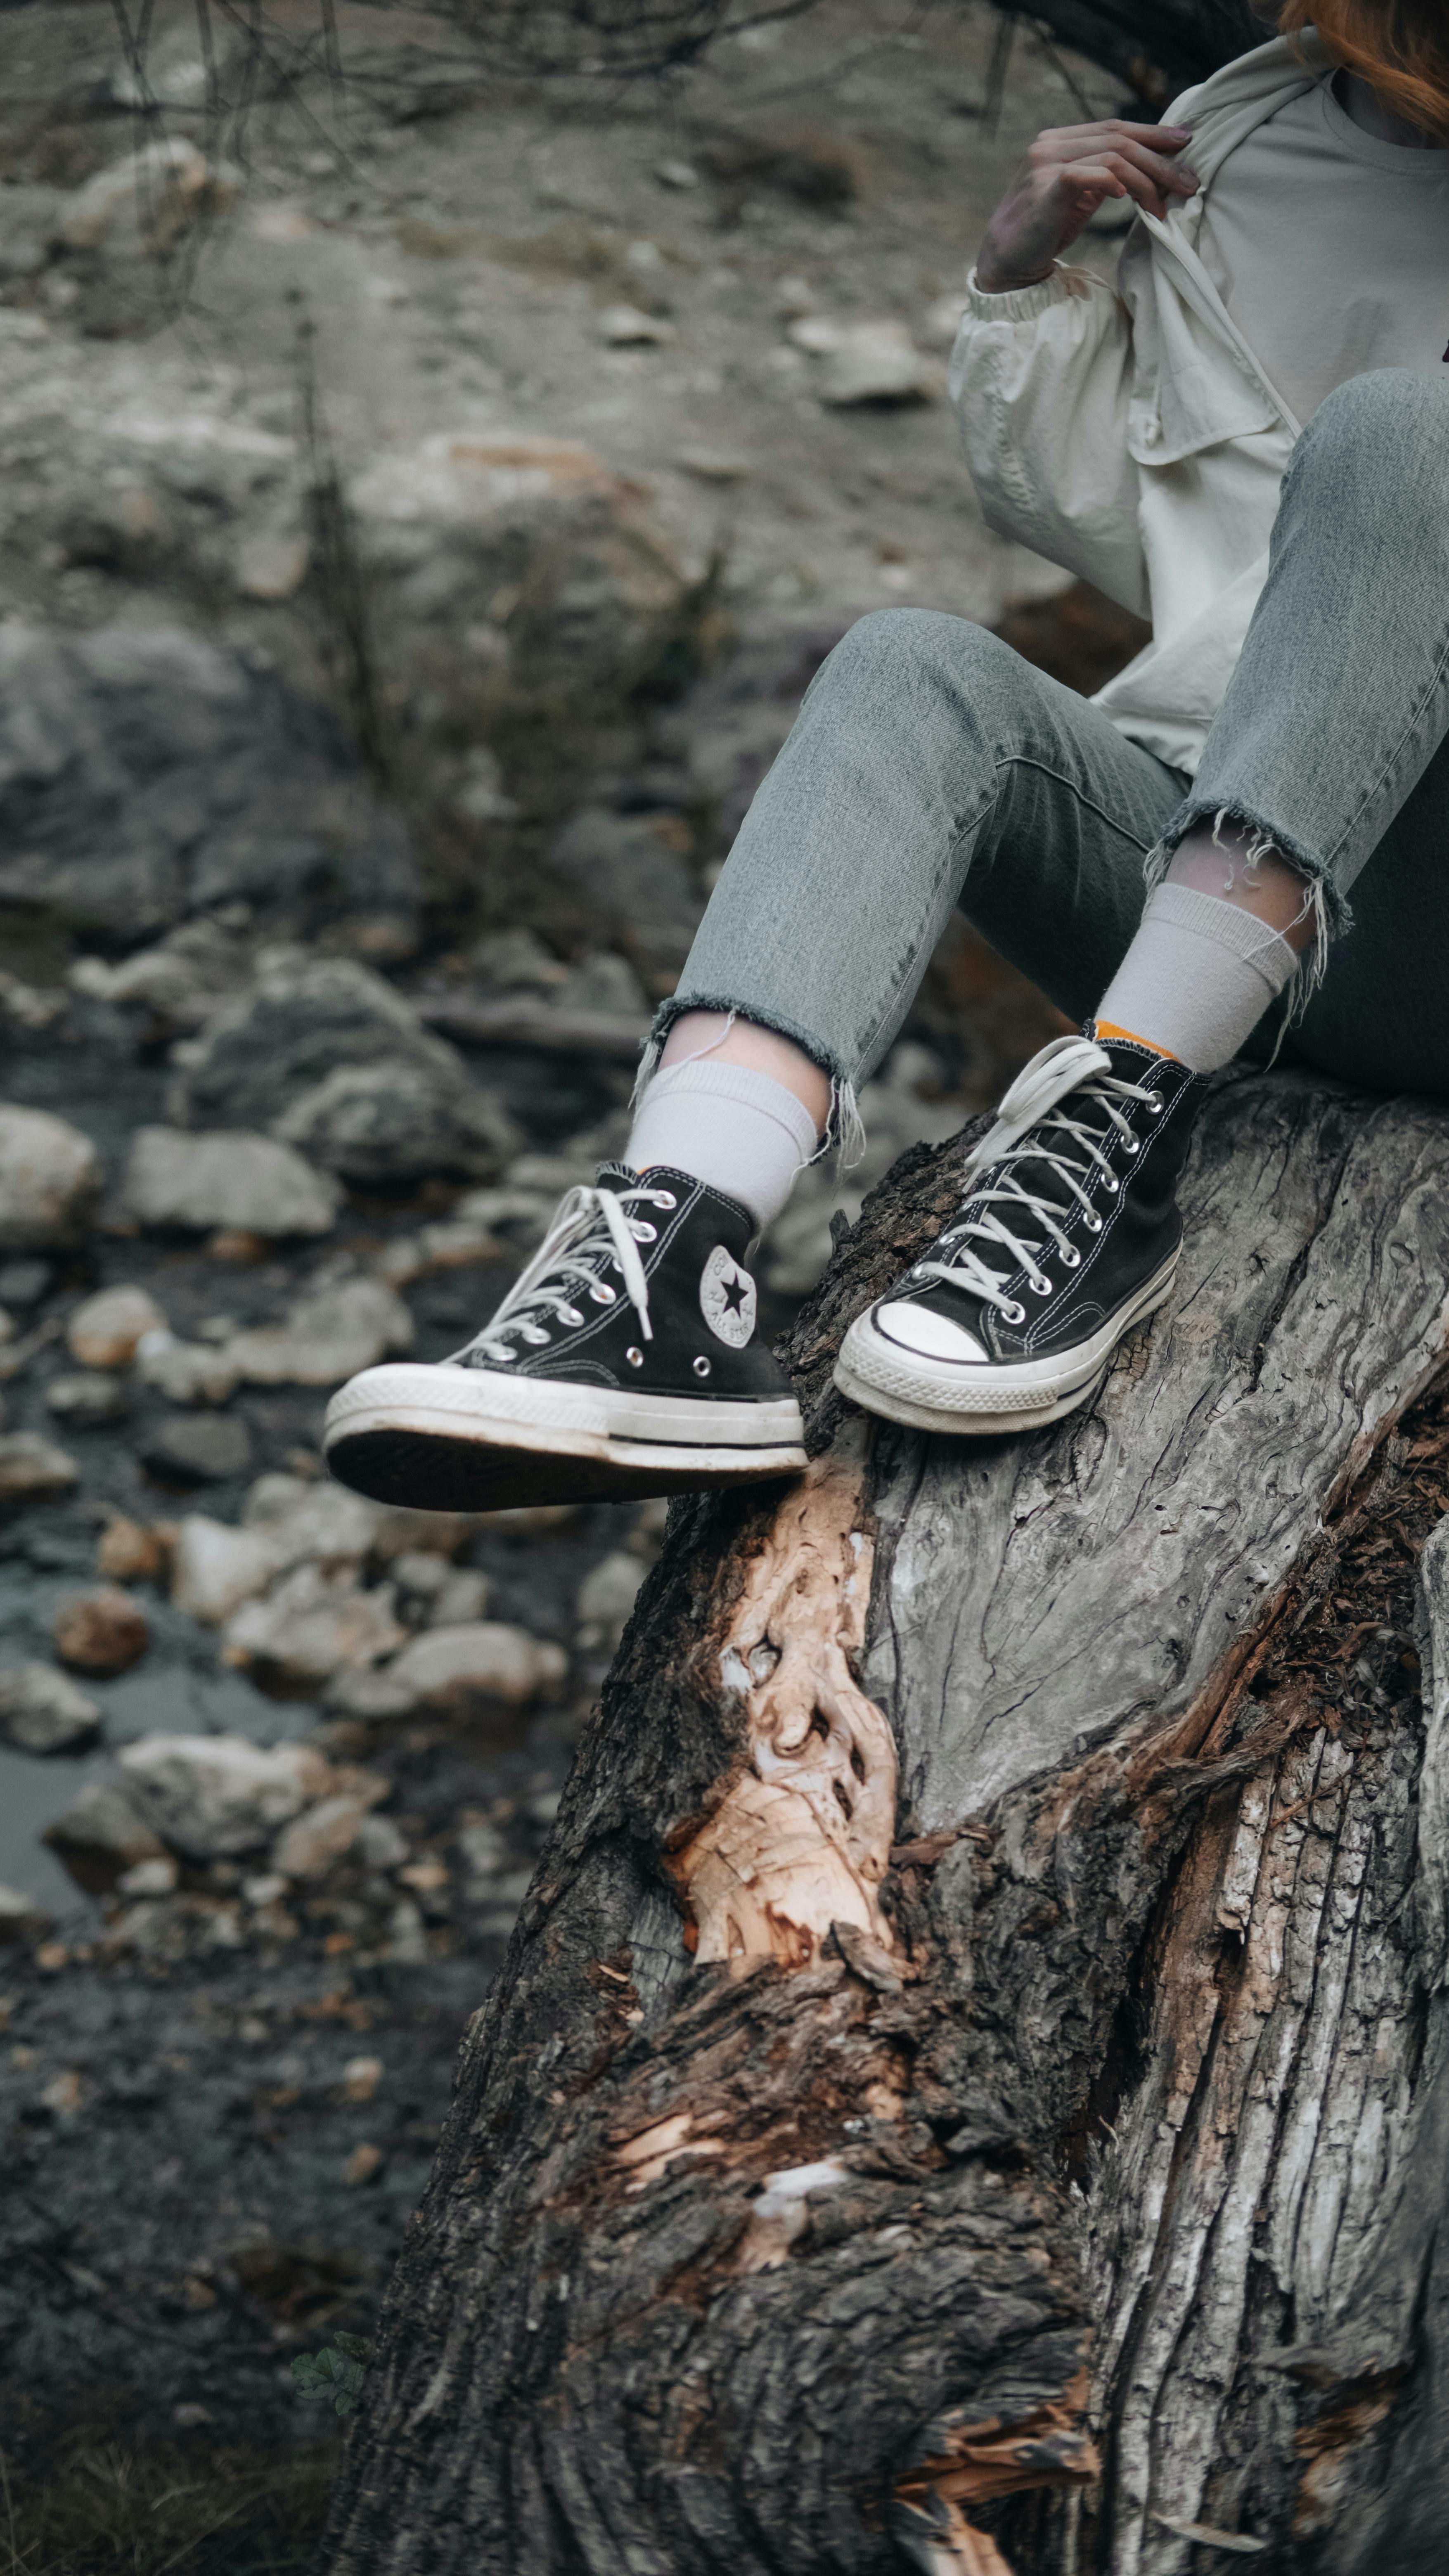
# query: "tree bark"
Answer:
x=969 y=2087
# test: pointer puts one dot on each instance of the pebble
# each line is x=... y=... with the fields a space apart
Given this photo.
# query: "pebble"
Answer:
x=246 y=1183
x=33 y=1469
x=186 y=1372
x=380 y=1844
x=87 y=1399
x=606 y=1599
x=214 y=1568
x=310 y=1627
x=308 y=1846
x=24 y=1283
x=104 y=1330
x=214 y=1797
x=325 y=1337
x=44 y=1711
x=149 y=1878
x=21 y=1919
x=101 y=1834
x=623 y=326
x=484 y=1660
x=103 y=1632
x=51 y=1178
x=308 y=1523
x=131 y=1553
x=867 y=362
x=195 y=1448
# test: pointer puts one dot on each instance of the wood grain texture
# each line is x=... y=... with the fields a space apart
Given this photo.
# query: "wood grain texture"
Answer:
x=1097 y=2203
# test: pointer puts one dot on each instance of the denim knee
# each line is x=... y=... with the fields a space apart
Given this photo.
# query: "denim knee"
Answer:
x=898 y=649
x=1373 y=437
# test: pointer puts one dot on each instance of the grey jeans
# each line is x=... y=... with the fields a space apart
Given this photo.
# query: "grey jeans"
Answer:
x=930 y=766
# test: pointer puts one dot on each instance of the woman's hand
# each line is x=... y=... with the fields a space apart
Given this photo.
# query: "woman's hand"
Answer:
x=1068 y=173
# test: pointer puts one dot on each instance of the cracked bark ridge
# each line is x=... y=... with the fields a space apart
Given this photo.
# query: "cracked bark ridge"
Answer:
x=1071 y=2197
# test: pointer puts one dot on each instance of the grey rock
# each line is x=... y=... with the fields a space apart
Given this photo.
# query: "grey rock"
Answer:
x=483 y=1660
x=50 y=1180
x=606 y=1599
x=326 y=1337
x=21 y=1919
x=105 y=1329
x=24 y=1283
x=44 y=1711
x=630 y=889
x=147 y=777
x=313 y=1625
x=102 y=1834
x=33 y=1470
x=248 y=1183
x=173 y=987
x=213 y=1797
x=196 y=1448
x=380 y=1844
x=324 y=1055
x=87 y=1399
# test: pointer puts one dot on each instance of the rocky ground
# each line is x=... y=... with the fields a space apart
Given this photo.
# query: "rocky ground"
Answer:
x=423 y=504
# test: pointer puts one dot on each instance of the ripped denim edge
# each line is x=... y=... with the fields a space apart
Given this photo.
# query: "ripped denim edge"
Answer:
x=844 y=1135
x=1332 y=914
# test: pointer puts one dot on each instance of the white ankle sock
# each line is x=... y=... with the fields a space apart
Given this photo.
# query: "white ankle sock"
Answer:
x=1197 y=978
x=737 y=1129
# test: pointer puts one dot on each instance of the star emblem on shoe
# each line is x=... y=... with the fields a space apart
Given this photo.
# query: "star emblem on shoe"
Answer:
x=727 y=1299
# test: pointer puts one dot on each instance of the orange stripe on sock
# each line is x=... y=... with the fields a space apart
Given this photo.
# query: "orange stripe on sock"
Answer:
x=1109 y=1029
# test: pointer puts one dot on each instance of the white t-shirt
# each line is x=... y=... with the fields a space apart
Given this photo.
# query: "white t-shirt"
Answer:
x=1330 y=249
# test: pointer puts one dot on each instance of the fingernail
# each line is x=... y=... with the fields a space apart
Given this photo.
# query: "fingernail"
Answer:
x=1184 y=130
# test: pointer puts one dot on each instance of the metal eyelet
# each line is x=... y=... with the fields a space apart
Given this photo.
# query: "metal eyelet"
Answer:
x=570 y=1315
x=1131 y=1145
x=1155 y=1104
x=1094 y=1225
x=642 y=1231
x=665 y=1199
x=1110 y=1187
x=602 y=1296
x=1014 y=1314
x=1040 y=1287
x=634 y=1358
x=1071 y=1260
x=531 y=1333
x=499 y=1358
x=701 y=1368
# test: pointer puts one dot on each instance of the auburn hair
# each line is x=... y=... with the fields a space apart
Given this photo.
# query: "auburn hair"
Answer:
x=1400 y=47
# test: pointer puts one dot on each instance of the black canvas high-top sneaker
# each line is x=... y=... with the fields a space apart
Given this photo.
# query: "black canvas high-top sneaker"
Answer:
x=624 y=1362
x=1067 y=1234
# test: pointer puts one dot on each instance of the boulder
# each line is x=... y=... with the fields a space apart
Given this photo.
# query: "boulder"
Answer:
x=326 y=1337
x=51 y=1176
x=101 y=1835
x=148 y=776
x=313 y=1625
x=485 y=1660
x=247 y=1183
x=212 y=1797
x=103 y=1631
x=630 y=888
x=33 y=1470
x=324 y=1055
x=43 y=1711
x=197 y=1449
x=105 y=1329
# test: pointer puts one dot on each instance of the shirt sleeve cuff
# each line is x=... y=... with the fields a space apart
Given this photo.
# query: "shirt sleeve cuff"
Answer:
x=1017 y=303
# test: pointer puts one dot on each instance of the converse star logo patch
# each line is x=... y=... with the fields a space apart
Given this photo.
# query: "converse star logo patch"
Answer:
x=727 y=1299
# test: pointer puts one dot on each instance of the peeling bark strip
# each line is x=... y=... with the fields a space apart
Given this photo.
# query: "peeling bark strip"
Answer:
x=1048 y=2175
x=801 y=1838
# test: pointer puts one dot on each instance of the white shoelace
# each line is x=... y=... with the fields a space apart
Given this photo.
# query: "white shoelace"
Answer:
x=1028 y=1115
x=589 y=1222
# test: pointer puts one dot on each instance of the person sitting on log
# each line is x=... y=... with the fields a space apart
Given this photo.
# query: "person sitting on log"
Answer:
x=1246 y=438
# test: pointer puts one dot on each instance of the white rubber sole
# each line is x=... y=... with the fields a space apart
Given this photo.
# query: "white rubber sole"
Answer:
x=972 y=1402
x=453 y=1439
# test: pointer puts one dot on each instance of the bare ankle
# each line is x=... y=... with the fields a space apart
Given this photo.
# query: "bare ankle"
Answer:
x=1237 y=863
x=727 y=1039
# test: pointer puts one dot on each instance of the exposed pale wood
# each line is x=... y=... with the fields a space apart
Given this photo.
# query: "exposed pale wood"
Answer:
x=1081 y=2192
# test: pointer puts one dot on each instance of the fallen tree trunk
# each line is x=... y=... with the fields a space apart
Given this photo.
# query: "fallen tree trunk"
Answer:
x=969 y=2086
